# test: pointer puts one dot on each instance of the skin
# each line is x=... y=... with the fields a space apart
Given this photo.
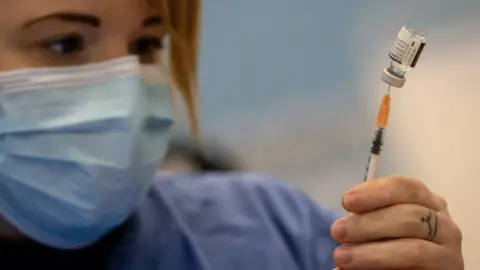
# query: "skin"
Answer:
x=45 y=42
x=385 y=230
x=27 y=41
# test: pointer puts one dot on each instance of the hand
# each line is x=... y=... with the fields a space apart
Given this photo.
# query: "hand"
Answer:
x=397 y=223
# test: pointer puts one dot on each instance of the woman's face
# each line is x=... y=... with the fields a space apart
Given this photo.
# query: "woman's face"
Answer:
x=54 y=33
x=39 y=33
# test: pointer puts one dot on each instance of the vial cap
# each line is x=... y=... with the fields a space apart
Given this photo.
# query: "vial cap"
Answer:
x=392 y=80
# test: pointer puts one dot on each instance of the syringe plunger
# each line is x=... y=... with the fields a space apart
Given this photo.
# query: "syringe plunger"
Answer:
x=404 y=56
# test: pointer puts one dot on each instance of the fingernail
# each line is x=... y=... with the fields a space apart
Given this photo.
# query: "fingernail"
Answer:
x=343 y=256
x=339 y=230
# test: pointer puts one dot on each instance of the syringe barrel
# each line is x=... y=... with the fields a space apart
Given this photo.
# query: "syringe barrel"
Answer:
x=374 y=156
x=377 y=141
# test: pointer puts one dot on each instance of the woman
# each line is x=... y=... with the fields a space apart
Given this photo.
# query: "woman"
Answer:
x=85 y=107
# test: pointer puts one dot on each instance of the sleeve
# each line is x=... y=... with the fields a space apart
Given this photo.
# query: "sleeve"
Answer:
x=303 y=225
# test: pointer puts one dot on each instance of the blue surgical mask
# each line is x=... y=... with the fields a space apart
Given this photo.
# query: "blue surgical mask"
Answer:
x=79 y=146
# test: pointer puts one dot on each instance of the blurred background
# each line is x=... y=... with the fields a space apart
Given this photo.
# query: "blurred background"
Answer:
x=292 y=88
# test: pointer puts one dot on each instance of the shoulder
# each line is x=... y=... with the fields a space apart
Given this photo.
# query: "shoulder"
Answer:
x=253 y=207
x=231 y=190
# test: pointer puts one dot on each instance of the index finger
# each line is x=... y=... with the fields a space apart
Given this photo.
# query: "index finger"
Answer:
x=388 y=191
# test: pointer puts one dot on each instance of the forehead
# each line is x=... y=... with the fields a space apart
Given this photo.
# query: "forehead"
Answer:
x=24 y=10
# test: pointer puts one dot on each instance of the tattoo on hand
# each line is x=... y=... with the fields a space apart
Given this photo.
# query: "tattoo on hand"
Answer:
x=432 y=228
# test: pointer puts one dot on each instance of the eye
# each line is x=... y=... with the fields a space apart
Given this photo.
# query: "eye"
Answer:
x=146 y=45
x=65 y=45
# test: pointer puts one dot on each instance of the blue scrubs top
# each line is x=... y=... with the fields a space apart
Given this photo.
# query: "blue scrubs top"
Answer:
x=226 y=222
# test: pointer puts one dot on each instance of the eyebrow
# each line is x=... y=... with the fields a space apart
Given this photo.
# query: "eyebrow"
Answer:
x=69 y=17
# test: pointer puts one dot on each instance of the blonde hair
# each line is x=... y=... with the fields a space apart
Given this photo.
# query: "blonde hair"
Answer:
x=183 y=21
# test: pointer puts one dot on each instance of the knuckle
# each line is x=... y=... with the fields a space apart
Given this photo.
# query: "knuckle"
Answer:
x=422 y=256
x=457 y=234
x=453 y=230
x=417 y=254
x=450 y=259
x=442 y=202
x=414 y=189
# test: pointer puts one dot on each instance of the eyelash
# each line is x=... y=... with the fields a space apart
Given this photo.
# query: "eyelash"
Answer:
x=73 y=45
x=146 y=44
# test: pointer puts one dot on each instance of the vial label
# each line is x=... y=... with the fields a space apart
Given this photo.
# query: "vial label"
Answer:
x=406 y=48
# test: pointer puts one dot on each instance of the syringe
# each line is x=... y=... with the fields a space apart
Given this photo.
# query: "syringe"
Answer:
x=378 y=138
x=404 y=56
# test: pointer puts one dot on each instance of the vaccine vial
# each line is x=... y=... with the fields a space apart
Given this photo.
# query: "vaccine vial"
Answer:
x=404 y=55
